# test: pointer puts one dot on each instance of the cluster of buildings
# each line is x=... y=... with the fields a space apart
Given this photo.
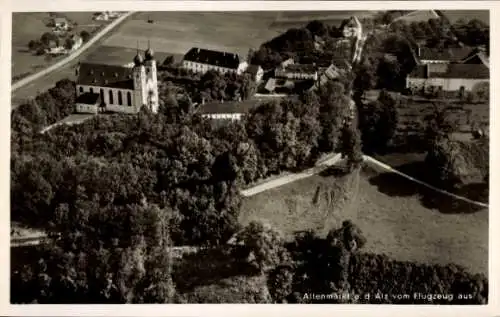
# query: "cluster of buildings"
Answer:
x=103 y=88
x=75 y=41
x=460 y=69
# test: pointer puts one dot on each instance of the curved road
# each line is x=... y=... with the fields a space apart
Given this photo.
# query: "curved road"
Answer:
x=28 y=87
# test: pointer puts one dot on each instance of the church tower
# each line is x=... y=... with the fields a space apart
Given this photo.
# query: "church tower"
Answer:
x=152 y=100
x=139 y=73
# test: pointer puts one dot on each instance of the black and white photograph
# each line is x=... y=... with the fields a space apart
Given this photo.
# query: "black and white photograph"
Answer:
x=250 y=157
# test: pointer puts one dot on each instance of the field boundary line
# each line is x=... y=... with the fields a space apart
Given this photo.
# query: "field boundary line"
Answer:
x=393 y=170
x=98 y=36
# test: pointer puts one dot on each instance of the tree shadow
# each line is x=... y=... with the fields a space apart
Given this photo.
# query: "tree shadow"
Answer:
x=336 y=171
x=207 y=267
x=395 y=185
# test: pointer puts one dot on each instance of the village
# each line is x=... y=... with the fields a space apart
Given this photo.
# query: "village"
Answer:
x=345 y=157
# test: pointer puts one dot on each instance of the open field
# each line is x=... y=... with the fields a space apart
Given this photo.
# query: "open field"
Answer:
x=399 y=218
x=28 y=26
x=115 y=55
x=177 y=32
x=455 y=15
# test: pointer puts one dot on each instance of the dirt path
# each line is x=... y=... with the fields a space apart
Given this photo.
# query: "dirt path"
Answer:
x=286 y=179
x=390 y=169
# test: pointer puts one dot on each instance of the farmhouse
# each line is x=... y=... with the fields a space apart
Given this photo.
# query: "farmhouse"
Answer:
x=117 y=88
x=202 y=60
x=448 y=77
x=231 y=110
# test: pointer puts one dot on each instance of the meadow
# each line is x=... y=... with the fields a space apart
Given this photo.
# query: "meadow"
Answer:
x=237 y=32
x=399 y=218
x=455 y=15
x=27 y=26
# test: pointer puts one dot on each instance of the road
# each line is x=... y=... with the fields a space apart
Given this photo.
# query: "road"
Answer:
x=286 y=179
x=30 y=86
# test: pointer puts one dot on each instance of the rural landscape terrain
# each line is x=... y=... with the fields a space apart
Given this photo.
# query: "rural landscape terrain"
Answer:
x=342 y=153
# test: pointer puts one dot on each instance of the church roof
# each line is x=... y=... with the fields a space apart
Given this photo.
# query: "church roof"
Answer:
x=102 y=75
x=216 y=58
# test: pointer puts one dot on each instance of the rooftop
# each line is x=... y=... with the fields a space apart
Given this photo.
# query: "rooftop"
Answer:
x=302 y=68
x=447 y=54
x=216 y=58
x=105 y=76
x=466 y=71
x=228 y=107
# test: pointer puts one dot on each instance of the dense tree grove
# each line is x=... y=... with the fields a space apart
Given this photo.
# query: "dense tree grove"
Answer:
x=336 y=265
x=377 y=122
x=211 y=86
x=301 y=44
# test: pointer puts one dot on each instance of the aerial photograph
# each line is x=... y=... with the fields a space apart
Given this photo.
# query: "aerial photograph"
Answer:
x=250 y=157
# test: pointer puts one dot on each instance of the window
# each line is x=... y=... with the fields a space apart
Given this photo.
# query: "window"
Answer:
x=129 y=99
x=102 y=95
x=91 y=90
x=81 y=89
x=120 y=100
x=111 y=97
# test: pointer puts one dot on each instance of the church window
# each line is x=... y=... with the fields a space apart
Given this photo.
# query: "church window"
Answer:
x=120 y=100
x=91 y=90
x=111 y=97
x=129 y=99
x=81 y=89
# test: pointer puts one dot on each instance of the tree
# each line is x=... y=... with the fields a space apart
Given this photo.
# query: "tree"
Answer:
x=280 y=283
x=85 y=35
x=263 y=245
x=350 y=146
x=69 y=43
x=48 y=37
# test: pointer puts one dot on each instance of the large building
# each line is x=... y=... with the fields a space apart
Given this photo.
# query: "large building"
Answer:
x=201 y=60
x=448 y=77
x=109 y=88
x=426 y=55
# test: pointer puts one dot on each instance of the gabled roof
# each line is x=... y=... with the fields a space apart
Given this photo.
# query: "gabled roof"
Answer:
x=228 y=107
x=216 y=58
x=447 y=54
x=88 y=98
x=465 y=71
x=478 y=58
x=301 y=68
x=105 y=76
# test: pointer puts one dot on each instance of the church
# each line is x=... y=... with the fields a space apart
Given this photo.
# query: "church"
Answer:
x=110 y=88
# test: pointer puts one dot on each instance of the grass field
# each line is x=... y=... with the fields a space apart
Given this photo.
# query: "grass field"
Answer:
x=455 y=15
x=398 y=218
x=113 y=55
x=236 y=32
x=28 y=26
